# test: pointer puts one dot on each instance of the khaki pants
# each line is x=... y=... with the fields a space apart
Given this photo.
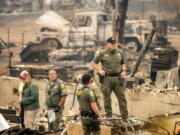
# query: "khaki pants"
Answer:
x=29 y=118
x=90 y=126
x=58 y=117
x=113 y=84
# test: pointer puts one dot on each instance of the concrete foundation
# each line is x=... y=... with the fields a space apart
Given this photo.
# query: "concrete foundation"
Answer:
x=169 y=79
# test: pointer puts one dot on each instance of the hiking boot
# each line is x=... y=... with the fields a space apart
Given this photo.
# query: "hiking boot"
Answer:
x=107 y=116
x=125 y=121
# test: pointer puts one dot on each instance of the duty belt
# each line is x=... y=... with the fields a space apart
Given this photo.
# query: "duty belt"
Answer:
x=112 y=74
x=90 y=114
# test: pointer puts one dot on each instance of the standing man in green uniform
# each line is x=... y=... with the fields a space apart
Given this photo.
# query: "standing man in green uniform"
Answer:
x=29 y=99
x=111 y=75
x=56 y=94
x=88 y=107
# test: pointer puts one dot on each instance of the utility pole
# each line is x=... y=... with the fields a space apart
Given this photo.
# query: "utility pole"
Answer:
x=119 y=8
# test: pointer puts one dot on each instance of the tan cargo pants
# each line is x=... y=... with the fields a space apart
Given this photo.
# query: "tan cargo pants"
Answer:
x=29 y=118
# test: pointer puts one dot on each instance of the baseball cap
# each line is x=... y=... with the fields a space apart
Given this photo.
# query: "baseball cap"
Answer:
x=24 y=74
x=86 y=78
x=111 y=40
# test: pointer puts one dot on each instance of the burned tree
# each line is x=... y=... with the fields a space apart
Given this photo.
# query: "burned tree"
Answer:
x=119 y=8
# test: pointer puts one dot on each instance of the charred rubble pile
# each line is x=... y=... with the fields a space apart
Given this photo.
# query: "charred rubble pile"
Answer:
x=11 y=122
x=142 y=83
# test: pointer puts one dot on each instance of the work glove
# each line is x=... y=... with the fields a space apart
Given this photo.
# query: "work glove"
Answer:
x=56 y=109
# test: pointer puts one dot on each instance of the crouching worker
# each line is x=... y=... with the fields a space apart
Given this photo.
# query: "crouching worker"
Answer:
x=88 y=107
x=56 y=94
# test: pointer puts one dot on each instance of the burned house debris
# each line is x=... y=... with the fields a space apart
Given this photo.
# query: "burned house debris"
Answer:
x=52 y=42
x=38 y=52
x=112 y=125
x=164 y=56
x=35 y=58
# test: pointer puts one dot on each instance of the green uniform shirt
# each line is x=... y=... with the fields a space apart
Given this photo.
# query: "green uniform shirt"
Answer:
x=54 y=91
x=85 y=97
x=30 y=96
x=111 y=61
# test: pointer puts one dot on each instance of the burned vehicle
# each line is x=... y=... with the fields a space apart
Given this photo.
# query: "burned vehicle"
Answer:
x=89 y=27
x=136 y=32
x=35 y=59
x=4 y=45
x=73 y=44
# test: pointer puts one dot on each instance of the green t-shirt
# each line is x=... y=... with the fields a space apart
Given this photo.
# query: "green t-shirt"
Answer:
x=111 y=61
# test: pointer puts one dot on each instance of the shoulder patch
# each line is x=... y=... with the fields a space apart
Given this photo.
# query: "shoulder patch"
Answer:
x=62 y=86
x=56 y=86
x=91 y=93
x=64 y=90
x=79 y=92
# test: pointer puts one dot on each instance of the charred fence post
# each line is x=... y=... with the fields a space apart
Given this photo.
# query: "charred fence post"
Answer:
x=8 y=34
x=10 y=59
x=68 y=42
x=9 y=51
x=22 y=41
x=83 y=53
x=22 y=115
x=104 y=32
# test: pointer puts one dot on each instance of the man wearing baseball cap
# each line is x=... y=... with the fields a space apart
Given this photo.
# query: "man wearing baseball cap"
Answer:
x=112 y=73
x=30 y=99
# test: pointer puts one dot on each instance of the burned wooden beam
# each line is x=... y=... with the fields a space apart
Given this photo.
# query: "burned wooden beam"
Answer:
x=7 y=111
x=143 y=51
x=12 y=118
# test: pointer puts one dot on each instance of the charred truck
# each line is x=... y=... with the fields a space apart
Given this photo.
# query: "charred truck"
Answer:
x=74 y=43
